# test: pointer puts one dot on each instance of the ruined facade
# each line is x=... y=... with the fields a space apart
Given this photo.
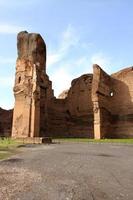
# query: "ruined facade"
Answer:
x=6 y=122
x=96 y=105
x=112 y=98
x=37 y=112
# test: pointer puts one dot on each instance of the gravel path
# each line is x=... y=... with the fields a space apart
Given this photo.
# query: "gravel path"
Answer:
x=69 y=172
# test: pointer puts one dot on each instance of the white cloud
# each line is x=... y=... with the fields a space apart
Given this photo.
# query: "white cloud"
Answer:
x=61 y=80
x=68 y=40
x=6 y=82
x=65 y=66
x=53 y=58
x=7 y=60
x=6 y=28
x=83 y=63
x=102 y=60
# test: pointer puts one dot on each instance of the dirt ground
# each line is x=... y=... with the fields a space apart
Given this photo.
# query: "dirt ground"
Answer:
x=68 y=171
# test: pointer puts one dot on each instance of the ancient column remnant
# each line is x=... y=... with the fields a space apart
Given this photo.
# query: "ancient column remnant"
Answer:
x=101 y=89
x=31 y=85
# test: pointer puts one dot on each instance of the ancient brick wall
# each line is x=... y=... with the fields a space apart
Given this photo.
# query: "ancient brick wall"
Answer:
x=57 y=118
x=46 y=94
x=112 y=98
x=80 y=108
x=101 y=97
x=122 y=103
x=6 y=122
x=96 y=105
x=72 y=114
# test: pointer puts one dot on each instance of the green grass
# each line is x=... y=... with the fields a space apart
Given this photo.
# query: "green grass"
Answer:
x=125 y=141
x=8 y=147
x=8 y=142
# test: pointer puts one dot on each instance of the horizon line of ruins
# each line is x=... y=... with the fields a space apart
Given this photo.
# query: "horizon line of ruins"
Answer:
x=96 y=105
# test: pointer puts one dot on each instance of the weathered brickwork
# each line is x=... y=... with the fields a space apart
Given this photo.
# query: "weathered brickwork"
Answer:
x=97 y=105
x=37 y=112
x=5 y=122
x=32 y=88
x=112 y=98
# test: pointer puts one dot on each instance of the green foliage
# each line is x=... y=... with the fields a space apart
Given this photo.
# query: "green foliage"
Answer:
x=7 y=142
x=126 y=141
x=7 y=147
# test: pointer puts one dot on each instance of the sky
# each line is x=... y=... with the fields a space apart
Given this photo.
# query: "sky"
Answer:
x=78 y=33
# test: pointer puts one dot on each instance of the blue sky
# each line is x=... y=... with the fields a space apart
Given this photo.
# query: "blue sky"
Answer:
x=77 y=33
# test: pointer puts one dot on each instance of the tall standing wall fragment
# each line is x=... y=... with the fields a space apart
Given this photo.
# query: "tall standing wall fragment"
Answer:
x=31 y=86
x=112 y=98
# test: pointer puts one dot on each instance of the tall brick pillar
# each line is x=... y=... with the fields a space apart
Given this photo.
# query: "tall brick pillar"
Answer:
x=30 y=69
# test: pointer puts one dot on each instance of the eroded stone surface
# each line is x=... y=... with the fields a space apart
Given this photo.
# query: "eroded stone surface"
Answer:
x=80 y=108
x=37 y=112
x=112 y=98
x=5 y=122
x=32 y=87
x=96 y=105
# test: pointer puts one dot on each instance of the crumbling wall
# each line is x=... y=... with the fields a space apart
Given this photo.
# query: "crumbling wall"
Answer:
x=6 y=122
x=57 y=118
x=80 y=108
x=112 y=98
x=37 y=112
x=72 y=114
x=102 y=91
x=46 y=94
x=96 y=105
x=122 y=103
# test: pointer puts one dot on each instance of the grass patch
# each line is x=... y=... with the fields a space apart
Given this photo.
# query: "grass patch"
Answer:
x=87 y=140
x=8 y=147
x=8 y=142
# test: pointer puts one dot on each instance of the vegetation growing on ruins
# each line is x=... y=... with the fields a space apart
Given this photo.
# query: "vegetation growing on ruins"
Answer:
x=8 y=147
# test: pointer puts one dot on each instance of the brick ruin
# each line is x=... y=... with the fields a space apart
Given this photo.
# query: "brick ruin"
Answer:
x=96 y=105
x=6 y=122
x=112 y=98
x=37 y=112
